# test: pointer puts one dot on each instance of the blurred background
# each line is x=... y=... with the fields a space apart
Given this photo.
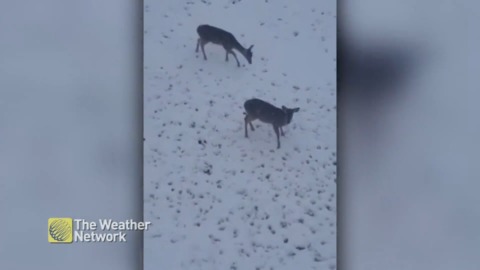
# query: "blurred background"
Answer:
x=408 y=126
x=70 y=128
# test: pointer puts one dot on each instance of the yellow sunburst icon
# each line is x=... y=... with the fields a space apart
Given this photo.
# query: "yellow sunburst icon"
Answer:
x=60 y=230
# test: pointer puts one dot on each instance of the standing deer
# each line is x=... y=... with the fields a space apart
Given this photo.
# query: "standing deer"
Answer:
x=219 y=36
x=267 y=113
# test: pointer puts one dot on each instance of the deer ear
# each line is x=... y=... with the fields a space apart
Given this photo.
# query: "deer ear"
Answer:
x=250 y=48
x=296 y=109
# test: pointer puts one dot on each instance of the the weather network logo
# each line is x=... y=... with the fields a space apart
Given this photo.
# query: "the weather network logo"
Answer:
x=60 y=230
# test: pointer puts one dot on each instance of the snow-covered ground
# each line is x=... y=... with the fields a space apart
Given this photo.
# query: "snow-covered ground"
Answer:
x=218 y=200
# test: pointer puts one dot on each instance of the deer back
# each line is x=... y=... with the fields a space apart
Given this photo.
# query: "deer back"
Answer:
x=216 y=35
x=265 y=112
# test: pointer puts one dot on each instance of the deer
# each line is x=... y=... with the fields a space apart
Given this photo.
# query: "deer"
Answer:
x=258 y=109
x=219 y=36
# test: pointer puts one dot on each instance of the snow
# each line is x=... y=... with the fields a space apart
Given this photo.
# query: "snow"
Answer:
x=216 y=199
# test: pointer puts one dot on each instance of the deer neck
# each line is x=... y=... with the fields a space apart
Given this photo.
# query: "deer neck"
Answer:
x=239 y=47
x=285 y=120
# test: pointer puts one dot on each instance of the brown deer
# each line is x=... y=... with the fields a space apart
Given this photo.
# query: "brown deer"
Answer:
x=267 y=113
x=219 y=36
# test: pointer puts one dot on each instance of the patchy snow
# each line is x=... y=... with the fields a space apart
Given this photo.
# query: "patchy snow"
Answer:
x=216 y=199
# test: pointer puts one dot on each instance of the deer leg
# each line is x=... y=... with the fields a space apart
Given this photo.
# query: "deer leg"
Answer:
x=226 y=56
x=238 y=63
x=249 y=119
x=198 y=44
x=203 y=49
x=246 y=124
x=281 y=131
x=278 y=135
